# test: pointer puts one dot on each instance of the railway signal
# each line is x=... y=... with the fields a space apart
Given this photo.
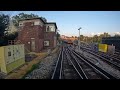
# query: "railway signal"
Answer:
x=79 y=38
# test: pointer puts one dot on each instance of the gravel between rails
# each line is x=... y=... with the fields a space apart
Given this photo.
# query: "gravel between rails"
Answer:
x=45 y=68
x=101 y=64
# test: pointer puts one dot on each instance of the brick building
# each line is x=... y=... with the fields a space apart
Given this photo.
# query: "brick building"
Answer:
x=37 y=34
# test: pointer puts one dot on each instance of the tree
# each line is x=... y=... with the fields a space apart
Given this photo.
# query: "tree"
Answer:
x=58 y=36
x=103 y=35
x=44 y=19
x=95 y=38
x=89 y=39
x=81 y=37
x=11 y=36
x=76 y=37
x=21 y=16
x=4 y=22
x=117 y=35
x=106 y=34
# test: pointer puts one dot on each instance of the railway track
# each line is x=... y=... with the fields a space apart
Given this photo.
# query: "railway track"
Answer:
x=90 y=71
x=71 y=65
x=77 y=66
x=103 y=73
x=75 y=71
x=69 y=71
x=115 y=56
x=58 y=69
x=115 y=63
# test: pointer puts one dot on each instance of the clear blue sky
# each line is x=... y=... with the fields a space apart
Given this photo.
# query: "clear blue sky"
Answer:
x=68 y=22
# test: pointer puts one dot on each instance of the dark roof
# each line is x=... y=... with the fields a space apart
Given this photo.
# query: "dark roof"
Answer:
x=33 y=18
x=52 y=23
x=111 y=38
x=41 y=20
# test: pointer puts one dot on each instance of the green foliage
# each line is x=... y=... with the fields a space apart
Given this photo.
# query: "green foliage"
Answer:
x=33 y=68
x=44 y=19
x=4 y=40
x=22 y=16
x=4 y=22
x=58 y=36
x=11 y=36
x=95 y=38
x=117 y=35
x=81 y=37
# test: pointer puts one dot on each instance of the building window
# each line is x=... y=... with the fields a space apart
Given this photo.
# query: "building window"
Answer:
x=48 y=29
x=20 y=24
x=9 y=53
x=46 y=43
x=36 y=23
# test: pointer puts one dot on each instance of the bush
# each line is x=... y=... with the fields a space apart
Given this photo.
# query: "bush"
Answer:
x=4 y=40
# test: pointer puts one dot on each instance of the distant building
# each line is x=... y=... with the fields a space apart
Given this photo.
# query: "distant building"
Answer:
x=69 y=39
x=37 y=34
x=115 y=41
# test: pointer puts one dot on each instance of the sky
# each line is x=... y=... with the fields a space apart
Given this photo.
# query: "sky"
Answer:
x=91 y=22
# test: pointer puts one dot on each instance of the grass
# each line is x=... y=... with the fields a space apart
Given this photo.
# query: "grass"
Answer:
x=55 y=50
x=33 y=67
x=25 y=69
x=29 y=66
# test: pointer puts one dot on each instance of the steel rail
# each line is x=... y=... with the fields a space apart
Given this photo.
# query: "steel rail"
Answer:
x=100 y=70
x=81 y=71
x=57 y=71
x=101 y=57
x=74 y=66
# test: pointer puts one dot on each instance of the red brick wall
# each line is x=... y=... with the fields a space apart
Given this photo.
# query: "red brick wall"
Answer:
x=27 y=32
x=41 y=44
x=49 y=36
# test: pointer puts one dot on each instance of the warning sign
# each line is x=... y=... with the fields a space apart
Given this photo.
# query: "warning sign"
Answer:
x=103 y=47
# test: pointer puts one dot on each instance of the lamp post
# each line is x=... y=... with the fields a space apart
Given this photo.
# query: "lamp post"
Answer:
x=79 y=38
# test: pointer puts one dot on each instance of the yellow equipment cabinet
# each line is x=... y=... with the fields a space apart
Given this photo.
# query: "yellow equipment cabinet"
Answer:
x=21 y=50
x=2 y=60
x=10 y=57
x=8 y=54
x=16 y=53
x=103 y=47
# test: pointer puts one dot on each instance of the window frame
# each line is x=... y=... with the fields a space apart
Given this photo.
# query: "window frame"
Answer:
x=48 y=43
x=9 y=53
x=50 y=29
x=21 y=24
x=37 y=23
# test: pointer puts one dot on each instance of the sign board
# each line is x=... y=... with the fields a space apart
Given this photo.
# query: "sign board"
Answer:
x=103 y=47
x=111 y=49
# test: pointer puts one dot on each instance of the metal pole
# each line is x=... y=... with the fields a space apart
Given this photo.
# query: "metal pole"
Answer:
x=79 y=39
